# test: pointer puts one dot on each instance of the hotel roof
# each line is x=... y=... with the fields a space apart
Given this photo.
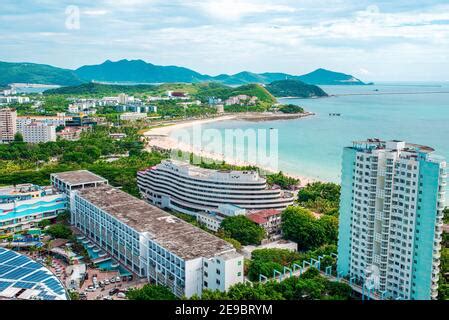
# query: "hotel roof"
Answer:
x=179 y=237
x=78 y=177
x=262 y=216
x=23 y=278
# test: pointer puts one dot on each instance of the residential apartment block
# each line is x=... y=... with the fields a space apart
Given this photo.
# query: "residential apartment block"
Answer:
x=390 y=227
x=8 y=125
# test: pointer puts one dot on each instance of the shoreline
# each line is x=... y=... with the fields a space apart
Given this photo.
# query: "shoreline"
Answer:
x=159 y=138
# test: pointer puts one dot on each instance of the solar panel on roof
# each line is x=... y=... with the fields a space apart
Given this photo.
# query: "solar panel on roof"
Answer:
x=4 y=285
x=5 y=269
x=25 y=285
x=7 y=256
x=25 y=273
x=32 y=265
x=17 y=273
x=18 y=261
x=37 y=276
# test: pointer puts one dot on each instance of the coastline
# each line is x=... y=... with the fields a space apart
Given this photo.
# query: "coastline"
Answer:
x=159 y=138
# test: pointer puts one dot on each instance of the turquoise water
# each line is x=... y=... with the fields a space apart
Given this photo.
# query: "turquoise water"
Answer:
x=313 y=146
x=107 y=265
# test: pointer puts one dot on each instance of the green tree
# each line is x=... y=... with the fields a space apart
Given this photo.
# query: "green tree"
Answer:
x=151 y=292
x=300 y=226
x=282 y=180
x=18 y=137
x=243 y=230
x=44 y=223
x=320 y=197
x=59 y=231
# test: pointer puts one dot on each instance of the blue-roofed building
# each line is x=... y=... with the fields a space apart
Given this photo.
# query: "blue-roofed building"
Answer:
x=23 y=206
x=23 y=278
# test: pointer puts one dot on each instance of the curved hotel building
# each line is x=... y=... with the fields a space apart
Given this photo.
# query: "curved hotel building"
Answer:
x=190 y=189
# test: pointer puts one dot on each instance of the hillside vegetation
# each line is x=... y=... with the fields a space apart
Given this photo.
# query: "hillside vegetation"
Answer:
x=294 y=88
x=36 y=73
x=201 y=91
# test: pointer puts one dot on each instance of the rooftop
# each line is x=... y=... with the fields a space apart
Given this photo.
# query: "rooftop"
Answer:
x=183 y=239
x=78 y=177
x=23 y=278
x=392 y=145
x=262 y=216
x=210 y=174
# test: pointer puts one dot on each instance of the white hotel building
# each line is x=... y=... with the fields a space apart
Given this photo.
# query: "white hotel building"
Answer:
x=390 y=224
x=37 y=132
x=189 y=189
x=150 y=242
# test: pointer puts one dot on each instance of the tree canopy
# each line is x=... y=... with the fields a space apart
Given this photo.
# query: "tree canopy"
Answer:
x=151 y=292
x=320 y=197
x=300 y=226
x=243 y=230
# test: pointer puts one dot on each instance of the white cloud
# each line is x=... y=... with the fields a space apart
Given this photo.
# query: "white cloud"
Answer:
x=233 y=10
x=95 y=12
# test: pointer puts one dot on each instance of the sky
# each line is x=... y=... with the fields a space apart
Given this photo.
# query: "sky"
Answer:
x=401 y=40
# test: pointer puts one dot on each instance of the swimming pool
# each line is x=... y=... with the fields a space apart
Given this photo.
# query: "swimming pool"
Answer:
x=107 y=264
x=110 y=266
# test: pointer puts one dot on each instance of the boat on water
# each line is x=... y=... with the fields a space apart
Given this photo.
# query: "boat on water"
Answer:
x=334 y=114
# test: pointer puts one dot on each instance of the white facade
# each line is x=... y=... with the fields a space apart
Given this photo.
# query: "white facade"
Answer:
x=37 y=132
x=132 y=116
x=153 y=244
x=213 y=220
x=391 y=217
x=189 y=189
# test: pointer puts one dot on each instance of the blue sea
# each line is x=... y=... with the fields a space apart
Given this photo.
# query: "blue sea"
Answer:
x=312 y=146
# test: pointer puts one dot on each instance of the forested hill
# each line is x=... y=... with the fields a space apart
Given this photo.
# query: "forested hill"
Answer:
x=294 y=88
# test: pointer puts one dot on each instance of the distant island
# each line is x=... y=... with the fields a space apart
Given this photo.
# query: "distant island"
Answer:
x=139 y=71
x=294 y=88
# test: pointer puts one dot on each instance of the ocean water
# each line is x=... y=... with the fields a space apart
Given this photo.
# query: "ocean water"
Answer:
x=312 y=147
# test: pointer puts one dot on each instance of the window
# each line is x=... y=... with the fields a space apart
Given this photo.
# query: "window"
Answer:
x=239 y=274
x=205 y=284
x=218 y=282
x=239 y=263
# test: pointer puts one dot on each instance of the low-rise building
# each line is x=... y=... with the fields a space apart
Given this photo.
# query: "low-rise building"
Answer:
x=23 y=206
x=132 y=116
x=270 y=220
x=212 y=220
x=71 y=133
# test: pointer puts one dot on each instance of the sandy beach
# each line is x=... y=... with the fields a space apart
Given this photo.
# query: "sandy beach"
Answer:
x=160 y=138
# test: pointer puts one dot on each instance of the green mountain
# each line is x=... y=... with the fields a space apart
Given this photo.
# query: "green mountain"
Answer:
x=93 y=88
x=138 y=71
x=326 y=77
x=218 y=90
x=201 y=91
x=294 y=88
x=36 y=73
